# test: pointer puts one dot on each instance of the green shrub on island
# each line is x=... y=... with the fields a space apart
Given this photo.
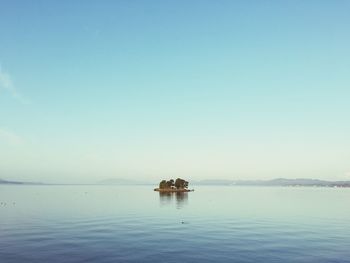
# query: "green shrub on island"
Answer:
x=178 y=184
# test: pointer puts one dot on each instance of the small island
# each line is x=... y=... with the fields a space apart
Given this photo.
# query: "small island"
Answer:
x=180 y=185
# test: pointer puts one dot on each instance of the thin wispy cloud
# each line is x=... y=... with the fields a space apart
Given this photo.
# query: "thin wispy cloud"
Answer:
x=10 y=137
x=6 y=84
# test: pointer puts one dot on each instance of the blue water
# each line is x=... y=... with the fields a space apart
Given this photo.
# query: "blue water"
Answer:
x=136 y=224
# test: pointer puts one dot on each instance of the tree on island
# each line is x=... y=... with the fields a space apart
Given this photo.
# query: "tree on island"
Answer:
x=166 y=184
x=178 y=184
x=181 y=184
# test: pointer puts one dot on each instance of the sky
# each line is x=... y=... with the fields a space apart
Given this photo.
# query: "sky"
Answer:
x=147 y=90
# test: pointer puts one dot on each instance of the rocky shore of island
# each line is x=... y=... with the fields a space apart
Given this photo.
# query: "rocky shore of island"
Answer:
x=173 y=190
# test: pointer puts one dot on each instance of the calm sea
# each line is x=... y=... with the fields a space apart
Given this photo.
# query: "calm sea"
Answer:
x=136 y=224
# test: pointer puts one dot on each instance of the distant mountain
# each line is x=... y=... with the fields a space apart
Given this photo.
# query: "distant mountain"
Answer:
x=273 y=182
x=15 y=182
x=122 y=181
x=213 y=182
x=295 y=182
x=276 y=182
x=9 y=182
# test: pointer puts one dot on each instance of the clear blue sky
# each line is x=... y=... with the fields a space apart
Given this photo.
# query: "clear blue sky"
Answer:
x=197 y=89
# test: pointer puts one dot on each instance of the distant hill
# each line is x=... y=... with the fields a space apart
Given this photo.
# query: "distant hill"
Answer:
x=9 y=182
x=273 y=182
x=15 y=182
x=122 y=181
x=277 y=182
x=213 y=182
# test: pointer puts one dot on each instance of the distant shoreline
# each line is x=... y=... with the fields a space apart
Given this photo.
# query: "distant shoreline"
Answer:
x=281 y=182
x=299 y=182
x=172 y=190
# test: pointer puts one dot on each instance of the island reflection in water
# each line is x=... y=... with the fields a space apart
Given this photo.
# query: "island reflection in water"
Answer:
x=100 y=223
x=166 y=199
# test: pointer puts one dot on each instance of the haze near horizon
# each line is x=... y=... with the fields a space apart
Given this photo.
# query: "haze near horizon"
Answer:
x=193 y=89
